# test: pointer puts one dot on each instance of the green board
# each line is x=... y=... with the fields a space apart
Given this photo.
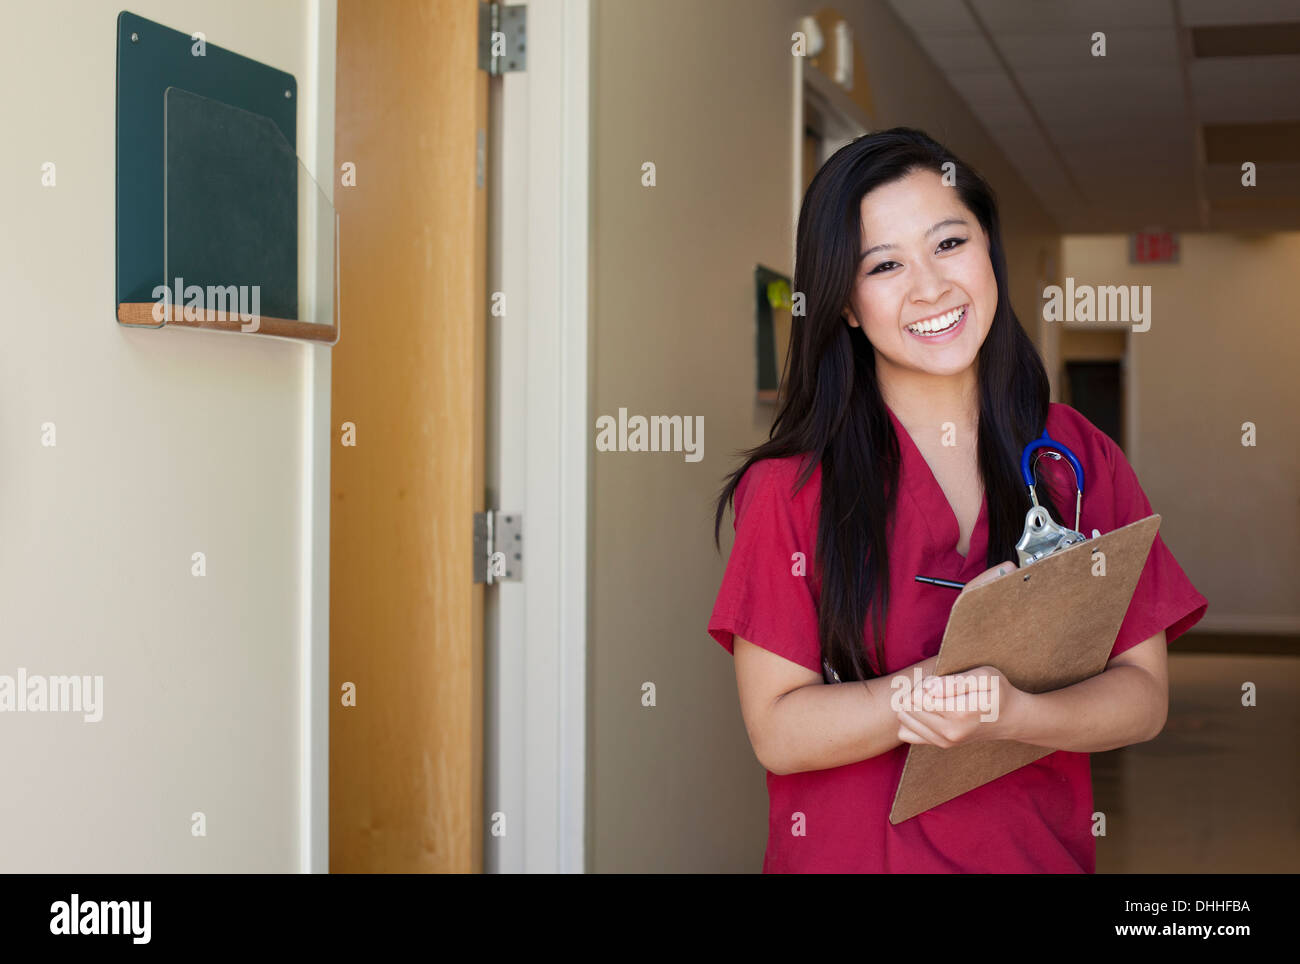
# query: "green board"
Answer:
x=230 y=159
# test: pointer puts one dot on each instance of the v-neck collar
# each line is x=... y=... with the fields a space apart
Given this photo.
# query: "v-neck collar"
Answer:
x=943 y=524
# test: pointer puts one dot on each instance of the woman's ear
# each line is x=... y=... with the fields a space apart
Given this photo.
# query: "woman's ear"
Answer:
x=847 y=315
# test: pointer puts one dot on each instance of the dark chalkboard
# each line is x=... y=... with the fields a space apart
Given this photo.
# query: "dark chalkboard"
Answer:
x=231 y=209
x=242 y=192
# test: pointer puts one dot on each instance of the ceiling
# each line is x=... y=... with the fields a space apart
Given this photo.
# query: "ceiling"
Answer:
x=1151 y=136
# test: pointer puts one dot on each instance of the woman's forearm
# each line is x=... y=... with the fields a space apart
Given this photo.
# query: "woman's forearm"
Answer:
x=1118 y=707
x=821 y=726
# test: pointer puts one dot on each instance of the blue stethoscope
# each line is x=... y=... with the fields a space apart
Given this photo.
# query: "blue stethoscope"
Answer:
x=1042 y=536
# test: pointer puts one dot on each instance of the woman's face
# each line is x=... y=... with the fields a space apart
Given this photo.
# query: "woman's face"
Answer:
x=926 y=262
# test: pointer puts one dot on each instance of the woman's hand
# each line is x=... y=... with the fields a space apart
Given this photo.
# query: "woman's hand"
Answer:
x=971 y=707
x=968 y=707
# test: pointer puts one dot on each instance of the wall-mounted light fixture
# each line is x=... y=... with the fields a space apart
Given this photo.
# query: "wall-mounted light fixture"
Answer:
x=843 y=54
x=812 y=32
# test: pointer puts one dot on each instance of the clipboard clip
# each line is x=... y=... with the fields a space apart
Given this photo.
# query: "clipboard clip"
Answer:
x=1043 y=536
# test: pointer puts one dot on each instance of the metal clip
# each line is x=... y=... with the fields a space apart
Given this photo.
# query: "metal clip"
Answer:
x=1042 y=537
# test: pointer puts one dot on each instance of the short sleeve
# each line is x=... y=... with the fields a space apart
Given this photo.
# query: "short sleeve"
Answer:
x=766 y=596
x=1164 y=598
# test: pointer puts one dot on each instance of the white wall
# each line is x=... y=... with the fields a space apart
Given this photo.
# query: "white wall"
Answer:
x=1221 y=350
x=168 y=442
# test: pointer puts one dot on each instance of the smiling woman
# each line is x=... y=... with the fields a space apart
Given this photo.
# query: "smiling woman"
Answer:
x=909 y=392
x=928 y=286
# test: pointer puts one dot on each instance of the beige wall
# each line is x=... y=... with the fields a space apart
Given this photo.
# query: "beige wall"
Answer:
x=1222 y=350
x=704 y=91
x=168 y=442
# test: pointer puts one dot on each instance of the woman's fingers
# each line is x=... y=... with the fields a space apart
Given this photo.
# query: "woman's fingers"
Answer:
x=926 y=733
x=988 y=575
x=907 y=736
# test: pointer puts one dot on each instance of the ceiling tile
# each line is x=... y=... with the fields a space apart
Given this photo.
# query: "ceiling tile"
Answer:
x=958 y=52
x=1205 y=13
x=935 y=16
x=1244 y=90
x=1223 y=181
x=1059 y=97
x=1028 y=16
x=1125 y=49
x=1129 y=140
x=992 y=96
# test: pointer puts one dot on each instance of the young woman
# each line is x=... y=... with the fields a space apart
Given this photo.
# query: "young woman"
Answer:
x=909 y=392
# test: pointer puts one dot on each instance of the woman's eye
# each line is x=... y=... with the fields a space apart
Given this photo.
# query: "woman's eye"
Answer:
x=947 y=244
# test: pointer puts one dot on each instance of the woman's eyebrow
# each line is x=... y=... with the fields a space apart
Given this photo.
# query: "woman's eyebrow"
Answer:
x=886 y=247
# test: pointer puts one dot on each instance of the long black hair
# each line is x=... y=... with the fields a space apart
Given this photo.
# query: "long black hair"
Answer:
x=832 y=412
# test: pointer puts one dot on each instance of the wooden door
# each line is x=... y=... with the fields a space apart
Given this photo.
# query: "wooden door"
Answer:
x=406 y=762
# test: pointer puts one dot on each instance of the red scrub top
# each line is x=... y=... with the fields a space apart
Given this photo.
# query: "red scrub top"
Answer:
x=1037 y=819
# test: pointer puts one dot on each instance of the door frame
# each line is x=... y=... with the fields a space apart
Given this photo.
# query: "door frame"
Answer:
x=316 y=117
x=535 y=740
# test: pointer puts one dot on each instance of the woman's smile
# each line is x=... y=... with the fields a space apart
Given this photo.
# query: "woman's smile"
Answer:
x=942 y=328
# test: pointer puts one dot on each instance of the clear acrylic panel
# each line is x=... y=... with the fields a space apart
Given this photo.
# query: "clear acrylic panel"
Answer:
x=250 y=240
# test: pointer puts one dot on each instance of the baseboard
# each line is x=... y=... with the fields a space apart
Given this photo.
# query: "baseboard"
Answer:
x=1248 y=624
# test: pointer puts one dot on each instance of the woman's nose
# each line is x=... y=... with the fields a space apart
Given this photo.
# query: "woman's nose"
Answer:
x=929 y=285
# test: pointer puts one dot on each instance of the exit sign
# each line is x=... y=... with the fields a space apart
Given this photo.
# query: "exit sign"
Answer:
x=1149 y=247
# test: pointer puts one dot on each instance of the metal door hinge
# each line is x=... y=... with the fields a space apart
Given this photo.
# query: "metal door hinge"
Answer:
x=502 y=36
x=498 y=547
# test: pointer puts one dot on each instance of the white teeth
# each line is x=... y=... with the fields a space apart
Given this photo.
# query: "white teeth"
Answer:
x=936 y=325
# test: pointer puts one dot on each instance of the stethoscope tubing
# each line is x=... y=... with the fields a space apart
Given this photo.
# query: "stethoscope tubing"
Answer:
x=1045 y=441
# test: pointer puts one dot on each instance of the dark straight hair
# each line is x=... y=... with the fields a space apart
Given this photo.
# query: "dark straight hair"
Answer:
x=832 y=412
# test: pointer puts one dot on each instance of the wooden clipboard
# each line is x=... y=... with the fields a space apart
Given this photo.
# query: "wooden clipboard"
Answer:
x=1049 y=625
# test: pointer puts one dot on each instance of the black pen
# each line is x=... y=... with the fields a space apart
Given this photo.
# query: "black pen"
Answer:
x=940 y=582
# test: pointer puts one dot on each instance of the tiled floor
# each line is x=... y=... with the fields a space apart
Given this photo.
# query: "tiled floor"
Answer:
x=1219 y=790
